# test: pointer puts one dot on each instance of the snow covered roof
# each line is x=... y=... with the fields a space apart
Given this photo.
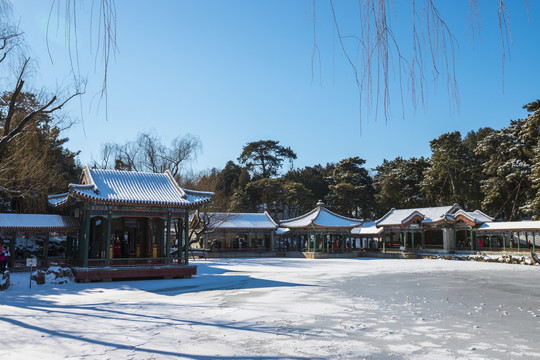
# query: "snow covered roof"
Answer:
x=320 y=217
x=128 y=187
x=282 y=231
x=510 y=225
x=256 y=221
x=367 y=228
x=398 y=217
x=476 y=216
x=37 y=222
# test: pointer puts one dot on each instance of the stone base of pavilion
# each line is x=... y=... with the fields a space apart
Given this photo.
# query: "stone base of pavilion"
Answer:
x=331 y=255
x=289 y=254
x=89 y=274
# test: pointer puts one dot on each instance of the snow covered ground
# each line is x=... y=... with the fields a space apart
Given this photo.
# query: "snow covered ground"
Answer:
x=269 y=308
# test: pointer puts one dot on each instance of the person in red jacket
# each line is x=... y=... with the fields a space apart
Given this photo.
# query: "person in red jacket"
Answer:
x=117 y=249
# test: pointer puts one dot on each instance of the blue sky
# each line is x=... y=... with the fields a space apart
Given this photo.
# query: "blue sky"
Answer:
x=231 y=72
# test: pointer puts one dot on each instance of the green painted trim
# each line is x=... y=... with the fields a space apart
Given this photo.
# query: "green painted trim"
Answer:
x=108 y=244
x=186 y=238
x=86 y=239
x=46 y=250
x=12 y=246
x=168 y=239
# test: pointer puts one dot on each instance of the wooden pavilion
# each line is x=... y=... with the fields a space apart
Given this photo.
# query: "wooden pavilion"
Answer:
x=238 y=232
x=440 y=228
x=510 y=235
x=126 y=220
x=320 y=230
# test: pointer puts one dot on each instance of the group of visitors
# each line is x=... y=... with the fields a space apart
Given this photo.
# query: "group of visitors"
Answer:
x=5 y=258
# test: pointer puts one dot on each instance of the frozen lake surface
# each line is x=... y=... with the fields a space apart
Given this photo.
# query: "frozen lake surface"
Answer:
x=270 y=308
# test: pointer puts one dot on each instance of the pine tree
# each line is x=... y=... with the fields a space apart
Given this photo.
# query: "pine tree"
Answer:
x=35 y=163
x=510 y=153
x=450 y=178
x=351 y=192
x=397 y=184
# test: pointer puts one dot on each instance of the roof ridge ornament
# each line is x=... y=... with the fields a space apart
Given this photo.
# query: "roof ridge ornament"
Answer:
x=320 y=203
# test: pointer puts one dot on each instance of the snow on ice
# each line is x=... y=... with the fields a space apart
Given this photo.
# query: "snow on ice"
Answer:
x=270 y=308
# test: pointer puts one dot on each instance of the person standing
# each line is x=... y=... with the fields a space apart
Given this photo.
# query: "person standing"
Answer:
x=3 y=259
x=7 y=255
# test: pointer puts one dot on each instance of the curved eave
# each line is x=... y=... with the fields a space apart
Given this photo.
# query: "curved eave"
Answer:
x=271 y=220
x=98 y=200
x=242 y=229
x=336 y=227
x=317 y=226
x=65 y=197
x=299 y=218
x=412 y=217
x=439 y=221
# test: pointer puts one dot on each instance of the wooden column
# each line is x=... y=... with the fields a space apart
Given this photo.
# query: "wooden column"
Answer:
x=404 y=240
x=384 y=242
x=168 y=238
x=471 y=234
x=46 y=251
x=504 y=242
x=186 y=237
x=12 y=247
x=86 y=238
x=108 y=243
x=533 y=241
x=422 y=239
x=518 y=240
x=412 y=240
x=489 y=241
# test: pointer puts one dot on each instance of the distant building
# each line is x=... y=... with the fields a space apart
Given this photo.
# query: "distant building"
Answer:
x=320 y=230
x=237 y=231
x=443 y=228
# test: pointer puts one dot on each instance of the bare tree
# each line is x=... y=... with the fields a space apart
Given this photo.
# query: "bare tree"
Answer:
x=148 y=153
x=375 y=55
x=22 y=115
x=203 y=223
x=102 y=23
x=11 y=130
